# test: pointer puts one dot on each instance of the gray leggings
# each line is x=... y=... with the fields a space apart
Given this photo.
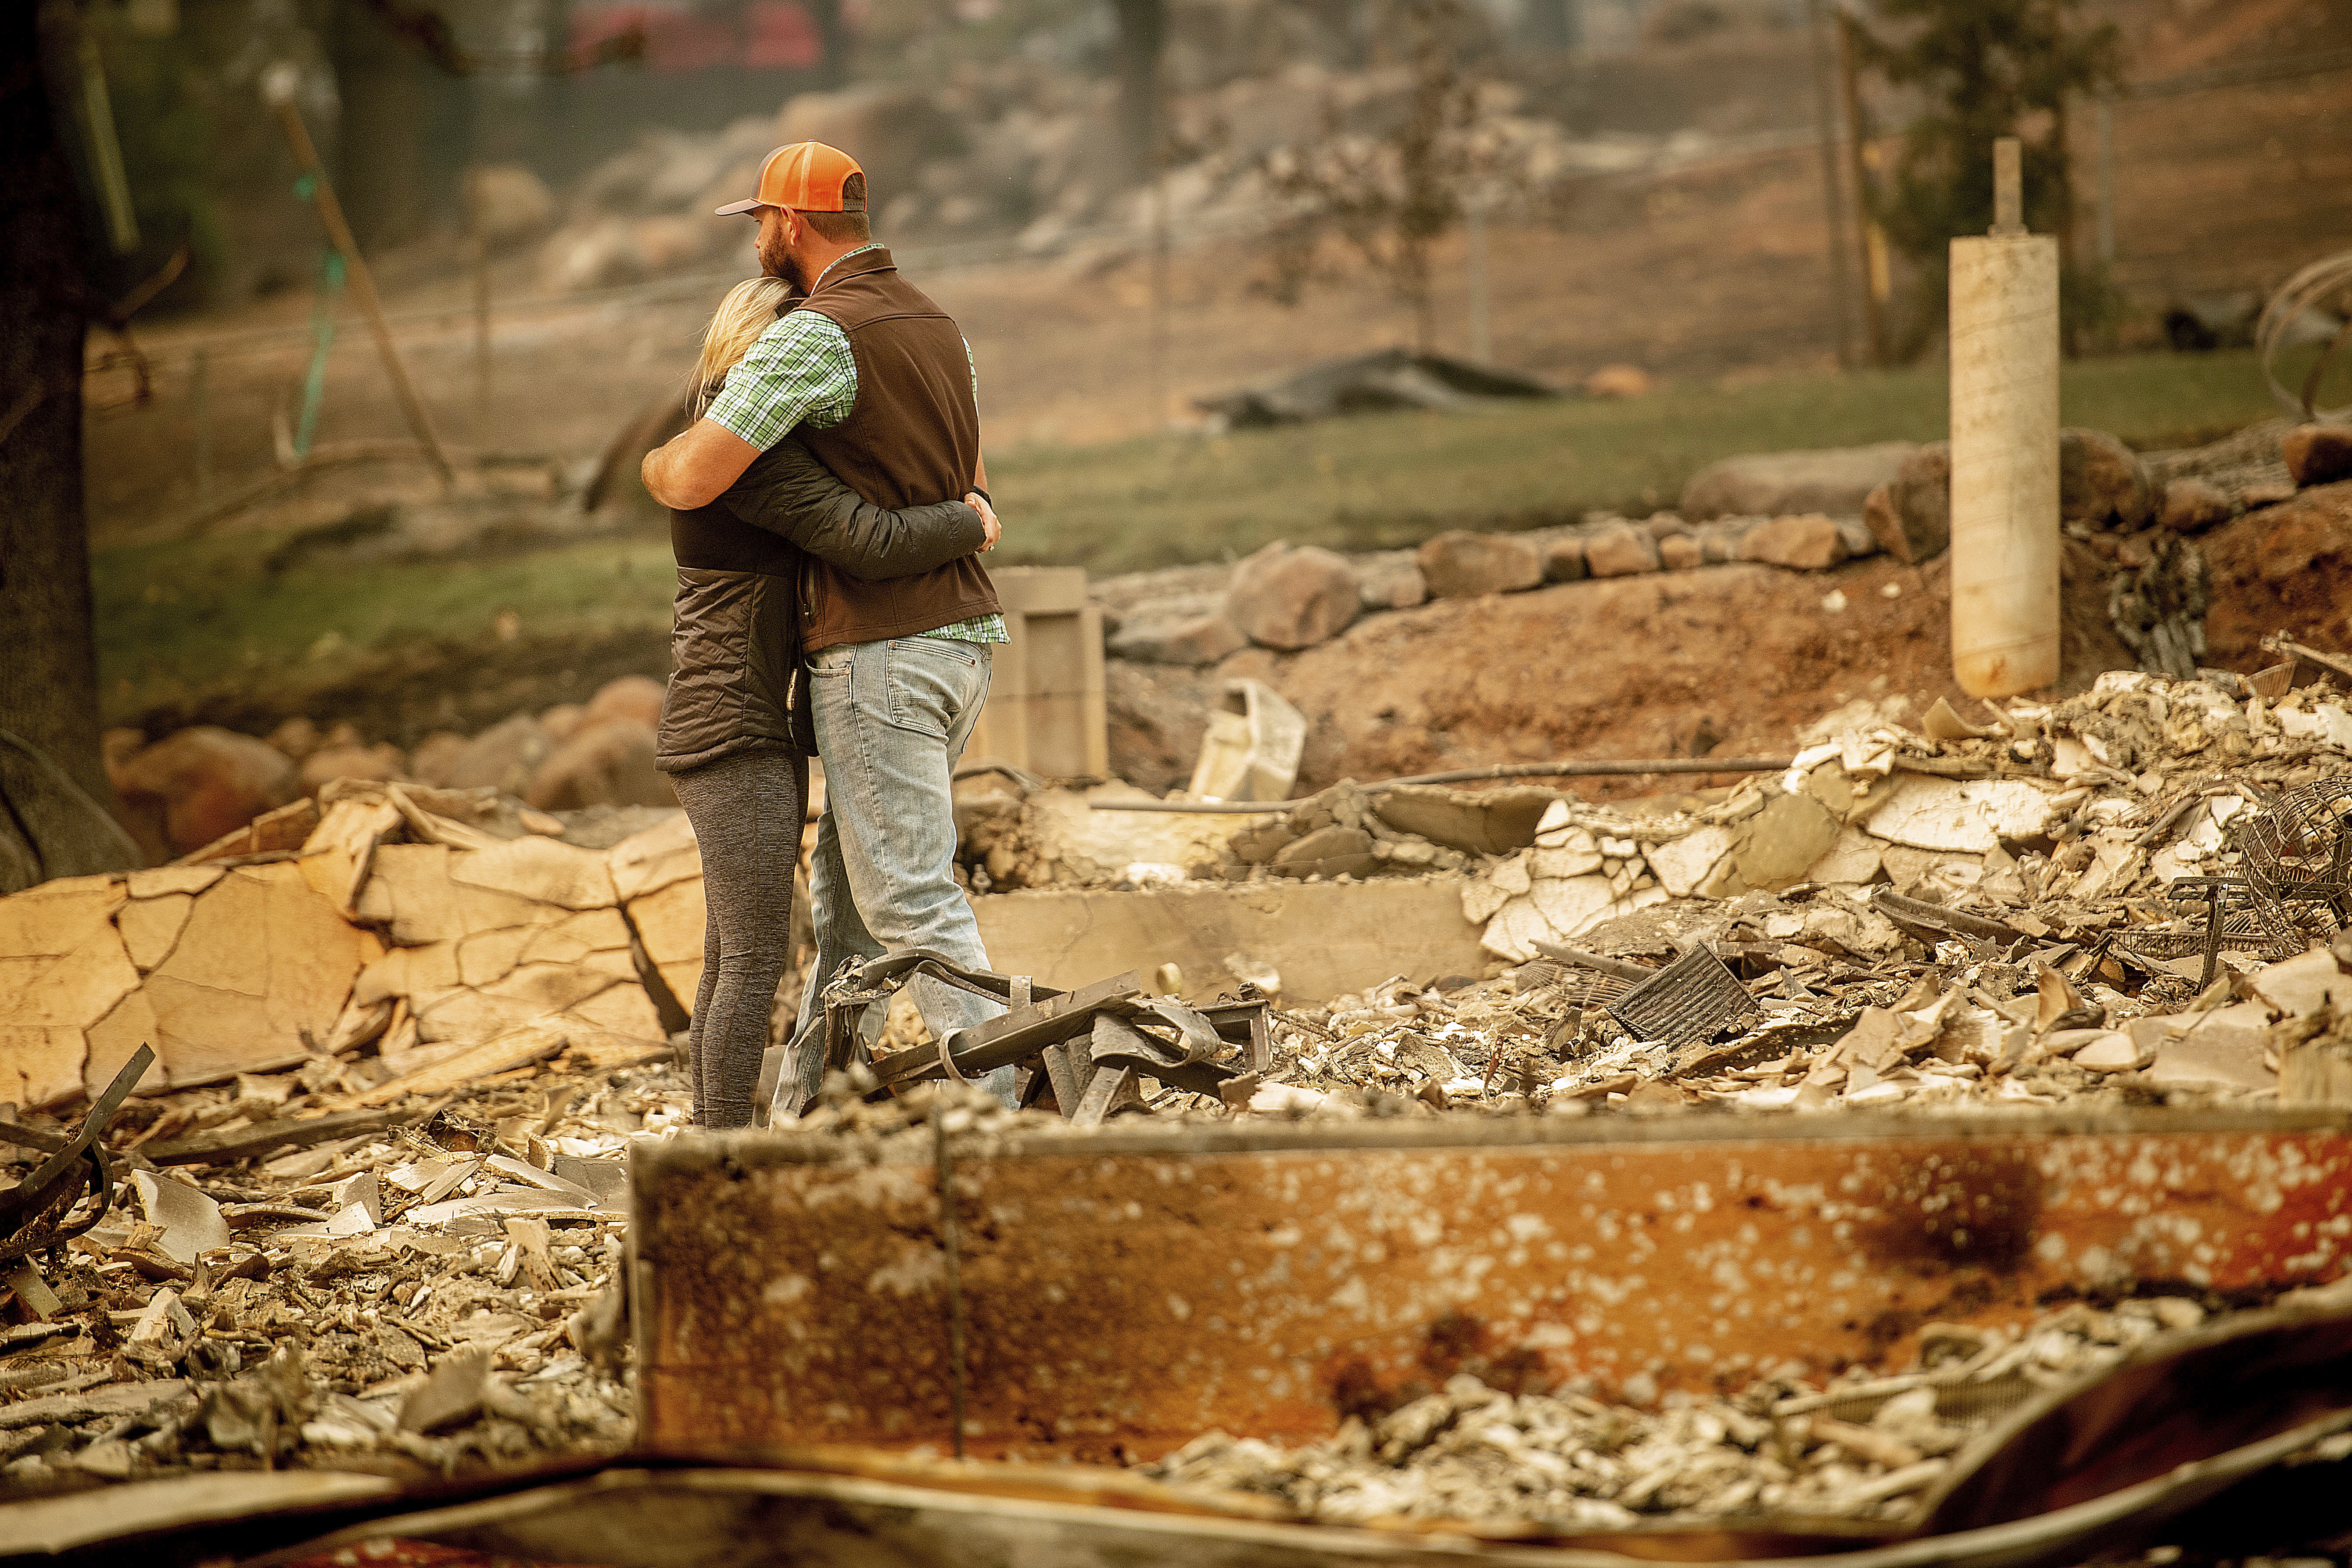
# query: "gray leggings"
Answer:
x=746 y=810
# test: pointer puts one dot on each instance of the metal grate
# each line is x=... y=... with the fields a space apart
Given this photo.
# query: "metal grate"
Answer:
x=1690 y=1001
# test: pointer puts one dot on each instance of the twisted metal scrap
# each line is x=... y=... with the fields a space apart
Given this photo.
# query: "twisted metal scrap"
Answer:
x=2299 y=293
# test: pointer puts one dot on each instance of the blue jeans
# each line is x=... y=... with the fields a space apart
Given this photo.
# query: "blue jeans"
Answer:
x=891 y=720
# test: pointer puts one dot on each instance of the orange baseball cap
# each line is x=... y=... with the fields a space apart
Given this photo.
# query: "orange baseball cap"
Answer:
x=806 y=177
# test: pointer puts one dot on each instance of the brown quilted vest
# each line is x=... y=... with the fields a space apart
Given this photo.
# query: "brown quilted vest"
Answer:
x=912 y=438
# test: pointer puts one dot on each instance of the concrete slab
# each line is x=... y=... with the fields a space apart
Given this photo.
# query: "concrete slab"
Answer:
x=1326 y=938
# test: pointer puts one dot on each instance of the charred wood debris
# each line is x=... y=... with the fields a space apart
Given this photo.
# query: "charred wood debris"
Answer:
x=2140 y=906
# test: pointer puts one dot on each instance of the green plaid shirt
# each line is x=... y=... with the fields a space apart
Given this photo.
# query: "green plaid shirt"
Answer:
x=802 y=372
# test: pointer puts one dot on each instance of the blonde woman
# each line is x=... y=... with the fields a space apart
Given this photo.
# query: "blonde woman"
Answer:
x=734 y=733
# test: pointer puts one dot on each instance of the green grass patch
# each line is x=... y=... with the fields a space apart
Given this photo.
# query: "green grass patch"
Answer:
x=176 y=618
x=1388 y=481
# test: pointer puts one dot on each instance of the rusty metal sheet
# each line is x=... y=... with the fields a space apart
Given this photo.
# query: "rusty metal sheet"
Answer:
x=1126 y=1291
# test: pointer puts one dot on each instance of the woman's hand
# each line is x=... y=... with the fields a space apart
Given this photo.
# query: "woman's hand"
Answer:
x=993 y=529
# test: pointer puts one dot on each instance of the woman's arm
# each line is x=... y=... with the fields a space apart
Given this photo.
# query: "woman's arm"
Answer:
x=791 y=493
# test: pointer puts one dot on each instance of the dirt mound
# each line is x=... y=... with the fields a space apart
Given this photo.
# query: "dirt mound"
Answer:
x=1728 y=660
x=2283 y=568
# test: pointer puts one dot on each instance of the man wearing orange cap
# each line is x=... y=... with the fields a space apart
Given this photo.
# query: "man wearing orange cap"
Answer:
x=880 y=385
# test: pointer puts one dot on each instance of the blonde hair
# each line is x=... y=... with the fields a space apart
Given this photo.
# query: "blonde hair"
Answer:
x=749 y=309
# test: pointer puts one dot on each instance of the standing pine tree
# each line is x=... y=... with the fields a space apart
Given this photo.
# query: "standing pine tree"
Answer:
x=1988 y=68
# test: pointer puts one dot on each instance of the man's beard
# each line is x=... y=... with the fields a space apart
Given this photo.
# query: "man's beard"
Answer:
x=778 y=262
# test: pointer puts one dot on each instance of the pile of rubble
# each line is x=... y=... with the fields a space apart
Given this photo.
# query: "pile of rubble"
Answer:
x=1982 y=913
x=422 y=1299
x=406 y=941
x=1865 y=1445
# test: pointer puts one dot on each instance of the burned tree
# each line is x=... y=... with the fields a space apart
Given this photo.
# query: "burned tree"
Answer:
x=51 y=777
x=1388 y=196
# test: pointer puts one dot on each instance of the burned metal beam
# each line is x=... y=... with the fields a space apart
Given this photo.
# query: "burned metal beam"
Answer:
x=1025 y=1031
x=1144 y=1283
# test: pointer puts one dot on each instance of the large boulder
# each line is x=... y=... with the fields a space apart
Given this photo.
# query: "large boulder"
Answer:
x=1458 y=564
x=506 y=204
x=503 y=756
x=1911 y=514
x=195 y=785
x=1192 y=640
x=891 y=129
x=1288 y=599
x=606 y=763
x=2100 y=482
x=1835 y=480
x=2192 y=505
x=2318 y=454
x=637 y=697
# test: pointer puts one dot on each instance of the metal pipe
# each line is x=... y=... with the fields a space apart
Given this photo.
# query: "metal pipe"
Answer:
x=1565 y=767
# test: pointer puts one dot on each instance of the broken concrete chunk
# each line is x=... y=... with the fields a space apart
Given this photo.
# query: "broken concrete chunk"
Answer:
x=150 y=926
x=2110 y=1050
x=1778 y=845
x=1955 y=816
x=2212 y=1061
x=1852 y=857
x=191 y=1222
x=452 y=1390
x=2304 y=984
x=1476 y=821
x=1574 y=905
x=1330 y=851
x=541 y=869
x=1515 y=930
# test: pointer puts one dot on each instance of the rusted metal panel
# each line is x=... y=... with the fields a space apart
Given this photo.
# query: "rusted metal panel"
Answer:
x=1128 y=1290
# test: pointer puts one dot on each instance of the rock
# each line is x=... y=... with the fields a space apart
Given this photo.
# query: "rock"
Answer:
x=1192 y=640
x=298 y=738
x=543 y=870
x=1288 y=599
x=380 y=762
x=1330 y=851
x=1563 y=560
x=1390 y=583
x=195 y=785
x=605 y=762
x=435 y=758
x=2192 y=505
x=1808 y=542
x=1774 y=484
x=1618 y=380
x=1681 y=553
x=1458 y=564
x=599 y=253
x=637 y=697
x=507 y=205
x=2318 y=454
x=1619 y=550
x=891 y=129
x=2100 y=480
x=563 y=721
x=451 y=1393
x=1910 y=516
x=502 y=757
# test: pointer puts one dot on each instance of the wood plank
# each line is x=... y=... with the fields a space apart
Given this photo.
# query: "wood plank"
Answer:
x=516 y=1047
x=248 y=1143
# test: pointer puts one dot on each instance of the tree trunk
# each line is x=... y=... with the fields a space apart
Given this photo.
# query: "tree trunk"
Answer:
x=48 y=671
x=1142 y=33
